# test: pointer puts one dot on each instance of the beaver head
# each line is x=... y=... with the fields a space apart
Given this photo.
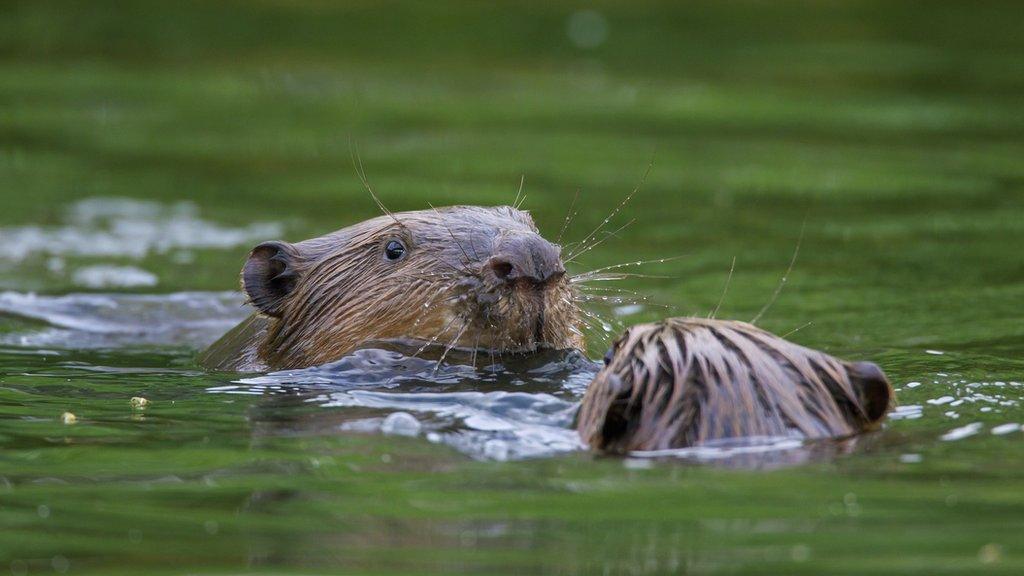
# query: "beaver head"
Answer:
x=685 y=381
x=462 y=276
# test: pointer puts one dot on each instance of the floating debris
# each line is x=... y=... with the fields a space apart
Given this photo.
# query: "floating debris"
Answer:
x=68 y=418
x=138 y=402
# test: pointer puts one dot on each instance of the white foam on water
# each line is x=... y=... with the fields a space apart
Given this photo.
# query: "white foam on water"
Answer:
x=907 y=412
x=962 y=432
x=487 y=425
x=127 y=228
x=1006 y=428
x=728 y=448
x=81 y=321
x=104 y=276
x=401 y=424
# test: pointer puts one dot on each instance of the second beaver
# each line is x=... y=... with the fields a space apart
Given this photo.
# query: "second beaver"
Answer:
x=467 y=276
x=686 y=381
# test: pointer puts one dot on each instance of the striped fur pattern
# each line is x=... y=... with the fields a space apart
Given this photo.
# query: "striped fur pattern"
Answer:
x=687 y=381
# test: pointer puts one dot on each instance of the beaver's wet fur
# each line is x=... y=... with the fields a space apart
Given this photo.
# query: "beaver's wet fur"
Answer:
x=683 y=382
x=462 y=276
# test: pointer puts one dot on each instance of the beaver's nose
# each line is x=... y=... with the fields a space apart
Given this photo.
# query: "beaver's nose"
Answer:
x=527 y=257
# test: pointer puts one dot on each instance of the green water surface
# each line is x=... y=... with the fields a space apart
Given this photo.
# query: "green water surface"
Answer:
x=892 y=133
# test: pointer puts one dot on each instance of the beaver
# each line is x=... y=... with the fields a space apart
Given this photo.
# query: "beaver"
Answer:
x=461 y=276
x=684 y=382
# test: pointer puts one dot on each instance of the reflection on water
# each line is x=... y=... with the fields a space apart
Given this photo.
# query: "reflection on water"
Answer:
x=516 y=407
x=493 y=407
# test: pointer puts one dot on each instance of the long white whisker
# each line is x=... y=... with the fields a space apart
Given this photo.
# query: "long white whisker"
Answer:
x=522 y=180
x=569 y=215
x=436 y=336
x=628 y=264
x=451 y=345
x=725 y=290
x=614 y=277
x=621 y=205
x=782 y=282
x=797 y=329
x=593 y=245
x=357 y=164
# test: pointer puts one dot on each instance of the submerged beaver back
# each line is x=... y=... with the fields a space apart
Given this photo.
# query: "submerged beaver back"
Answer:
x=686 y=381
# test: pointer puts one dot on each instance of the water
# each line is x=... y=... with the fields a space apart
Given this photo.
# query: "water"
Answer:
x=532 y=418
x=204 y=459
x=144 y=147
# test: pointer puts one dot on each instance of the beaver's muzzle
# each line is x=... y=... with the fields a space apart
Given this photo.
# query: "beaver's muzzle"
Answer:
x=526 y=258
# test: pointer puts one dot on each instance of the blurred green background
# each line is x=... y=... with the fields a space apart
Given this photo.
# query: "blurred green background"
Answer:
x=891 y=132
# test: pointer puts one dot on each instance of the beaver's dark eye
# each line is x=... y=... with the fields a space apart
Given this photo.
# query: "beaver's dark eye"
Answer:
x=608 y=356
x=394 y=250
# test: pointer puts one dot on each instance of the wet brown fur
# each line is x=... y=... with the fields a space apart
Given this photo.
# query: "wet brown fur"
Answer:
x=319 y=299
x=687 y=381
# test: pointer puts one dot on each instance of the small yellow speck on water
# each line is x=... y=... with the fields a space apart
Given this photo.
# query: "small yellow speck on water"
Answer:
x=990 y=553
x=138 y=402
x=68 y=418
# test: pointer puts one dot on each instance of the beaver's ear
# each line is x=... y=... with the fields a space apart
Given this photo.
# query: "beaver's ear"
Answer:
x=611 y=419
x=873 y=389
x=270 y=275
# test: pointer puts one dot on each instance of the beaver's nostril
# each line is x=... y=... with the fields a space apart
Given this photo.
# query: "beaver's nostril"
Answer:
x=502 y=268
x=527 y=258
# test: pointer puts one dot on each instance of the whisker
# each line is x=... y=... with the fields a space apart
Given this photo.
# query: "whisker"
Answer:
x=795 y=330
x=782 y=282
x=569 y=215
x=628 y=264
x=615 y=277
x=588 y=291
x=435 y=338
x=624 y=301
x=476 y=347
x=451 y=345
x=522 y=180
x=721 y=299
x=621 y=205
x=589 y=325
x=430 y=302
x=357 y=164
x=600 y=329
x=452 y=233
x=586 y=249
x=605 y=323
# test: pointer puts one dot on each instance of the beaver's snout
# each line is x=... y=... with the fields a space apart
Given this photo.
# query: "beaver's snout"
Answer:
x=526 y=257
